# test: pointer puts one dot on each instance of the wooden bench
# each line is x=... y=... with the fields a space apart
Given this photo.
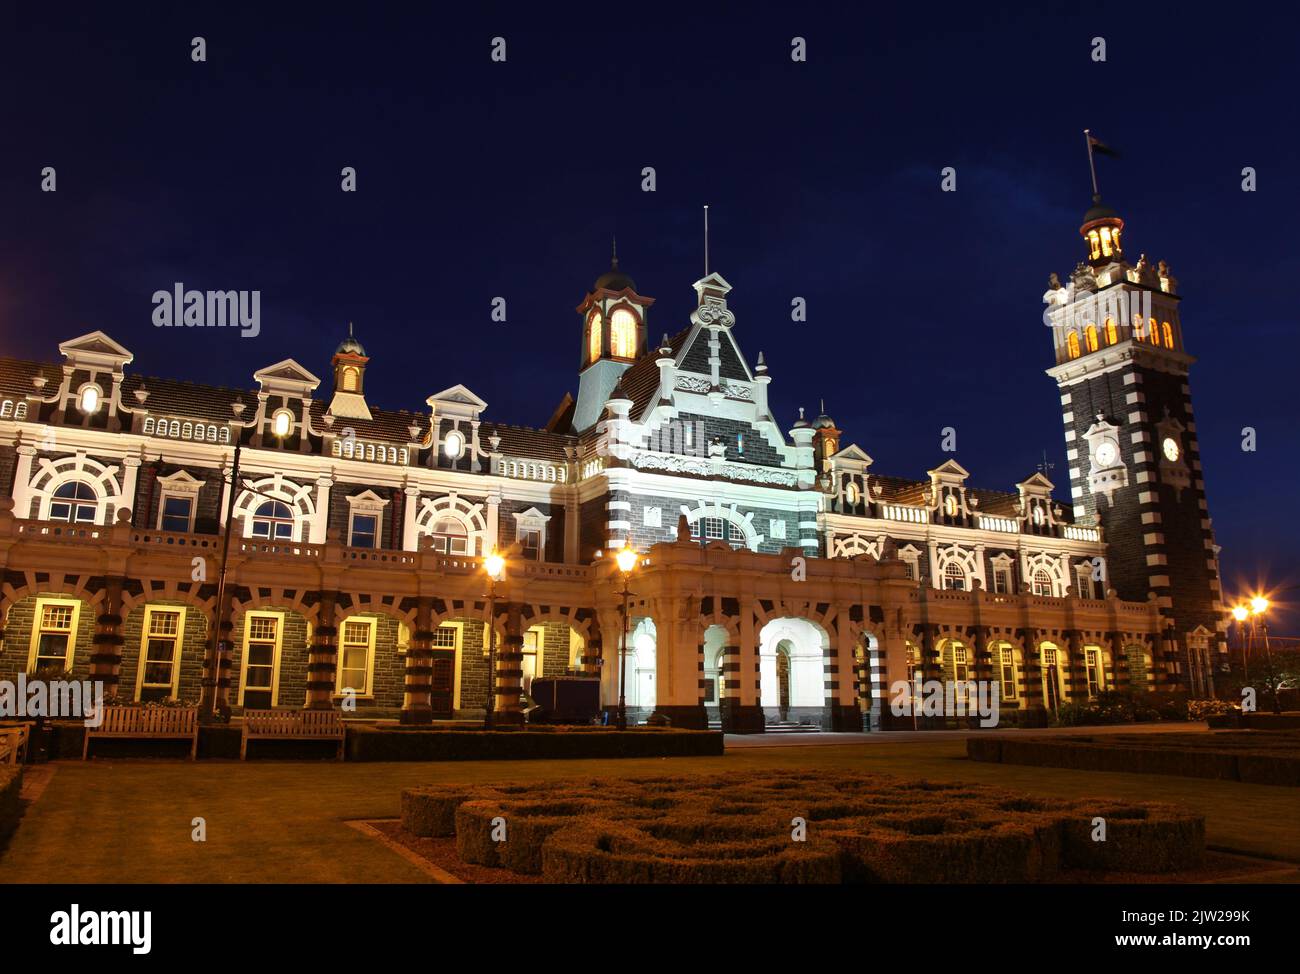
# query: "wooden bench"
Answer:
x=13 y=743
x=291 y=725
x=148 y=724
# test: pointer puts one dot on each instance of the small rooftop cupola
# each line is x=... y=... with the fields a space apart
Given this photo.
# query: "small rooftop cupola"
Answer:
x=349 y=379
x=1101 y=231
x=827 y=442
x=613 y=337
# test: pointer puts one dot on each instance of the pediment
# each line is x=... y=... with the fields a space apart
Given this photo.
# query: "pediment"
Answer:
x=287 y=373
x=949 y=469
x=460 y=395
x=97 y=349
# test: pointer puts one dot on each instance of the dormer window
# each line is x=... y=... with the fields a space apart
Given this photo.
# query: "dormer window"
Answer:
x=281 y=422
x=453 y=445
x=89 y=397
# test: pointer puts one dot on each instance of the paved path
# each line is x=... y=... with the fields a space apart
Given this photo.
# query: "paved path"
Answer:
x=916 y=737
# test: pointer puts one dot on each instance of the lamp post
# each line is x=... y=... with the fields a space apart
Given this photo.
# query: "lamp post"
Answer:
x=1258 y=606
x=212 y=680
x=626 y=559
x=495 y=566
x=1240 y=613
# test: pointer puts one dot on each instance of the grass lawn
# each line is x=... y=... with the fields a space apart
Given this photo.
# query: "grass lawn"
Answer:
x=119 y=821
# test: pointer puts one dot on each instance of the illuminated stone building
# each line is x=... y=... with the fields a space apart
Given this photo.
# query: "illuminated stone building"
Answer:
x=783 y=580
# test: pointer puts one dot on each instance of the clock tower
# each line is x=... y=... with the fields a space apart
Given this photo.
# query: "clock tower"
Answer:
x=1135 y=466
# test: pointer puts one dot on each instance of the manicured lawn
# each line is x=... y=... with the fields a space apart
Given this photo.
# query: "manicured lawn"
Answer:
x=129 y=821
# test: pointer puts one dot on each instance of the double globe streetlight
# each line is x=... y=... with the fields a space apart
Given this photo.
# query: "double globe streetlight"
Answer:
x=1255 y=610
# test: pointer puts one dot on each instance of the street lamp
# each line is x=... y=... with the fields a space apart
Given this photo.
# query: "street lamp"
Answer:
x=495 y=566
x=626 y=559
x=1258 y=606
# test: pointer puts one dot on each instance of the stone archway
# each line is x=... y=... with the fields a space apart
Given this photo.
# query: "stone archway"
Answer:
x=801 y=646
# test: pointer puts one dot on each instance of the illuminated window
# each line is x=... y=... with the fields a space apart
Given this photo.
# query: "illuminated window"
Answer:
x=1139 y=329
x=453 y=444
x=1096 y=678
x=1105 y=241
x=89 y=398
x=960 y=663
x=950 y=505
x=159 y=653
x=1090 y=337
x=273 y=521
x=54 y=634
x=355 y=650
x=622 y=334
x=1154 y=333
x=1169 y=335
x=593 y=336
x=1008 y=661
x=75 y=502
x=1094 y=244
x=1112 y=333
x=348 y=379
x=281 y=422
x=1072 y=344
x=261 y=659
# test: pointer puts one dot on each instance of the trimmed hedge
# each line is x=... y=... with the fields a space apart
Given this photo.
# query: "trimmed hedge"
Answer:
x=11 y=785
x=740 y=827
x=367 y=742
x=1250 y=756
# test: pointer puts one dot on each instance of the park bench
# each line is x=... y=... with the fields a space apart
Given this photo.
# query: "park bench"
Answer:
x=147 y=724
x=13 y=743
x=291 y=725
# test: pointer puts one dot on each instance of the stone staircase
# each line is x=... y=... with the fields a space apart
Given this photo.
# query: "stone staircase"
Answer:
x=780 y=727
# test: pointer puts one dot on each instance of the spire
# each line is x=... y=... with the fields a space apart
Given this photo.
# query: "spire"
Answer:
x=613 y=253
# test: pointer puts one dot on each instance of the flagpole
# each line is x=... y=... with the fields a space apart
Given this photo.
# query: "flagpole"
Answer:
x=706 y=239
x=1087 y=136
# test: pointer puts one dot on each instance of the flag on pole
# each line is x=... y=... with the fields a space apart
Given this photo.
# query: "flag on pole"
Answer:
x=1100 y=147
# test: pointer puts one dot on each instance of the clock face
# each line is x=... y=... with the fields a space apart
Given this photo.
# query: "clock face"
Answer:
x=1170 y=446
x=1106 y=454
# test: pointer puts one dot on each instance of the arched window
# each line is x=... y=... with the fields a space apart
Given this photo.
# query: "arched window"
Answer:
x=1072 y=344
x=1154 y=333
x=1139 y=329
x=954 y=577
x=1169 y=335
x=622 y=334
x=1090 y=337
x=1042 y=583
x=1094 y=244
x=449 y=537
x=273 y=520
x=348 y=380
x=75 y=502
x=1112 y=333
x=593 y=336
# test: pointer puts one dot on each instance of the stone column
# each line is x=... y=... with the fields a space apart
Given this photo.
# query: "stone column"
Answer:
x=841 y=711
x=417 y=703
x=410 y=512
x=589 y=661
x=1076 y=673
x=510 y=672
x=1035 y=714
x=22 y=481
x=679 y=663
x=742 y=711
x=322 y=658
x=106 y=659
x=1119 y=662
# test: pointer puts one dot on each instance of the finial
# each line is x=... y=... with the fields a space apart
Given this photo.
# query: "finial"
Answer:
x=801 y=412
x=823 y=402
x=613 y=254
x=762 y=365
x=349 y=329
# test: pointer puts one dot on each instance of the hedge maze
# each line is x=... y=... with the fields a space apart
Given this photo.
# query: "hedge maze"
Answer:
x=797 y=827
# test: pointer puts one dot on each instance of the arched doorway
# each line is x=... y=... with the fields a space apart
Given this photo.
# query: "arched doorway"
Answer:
x=791 y=671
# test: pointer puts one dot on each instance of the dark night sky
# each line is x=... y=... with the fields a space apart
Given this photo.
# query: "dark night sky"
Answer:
x=479 y=179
